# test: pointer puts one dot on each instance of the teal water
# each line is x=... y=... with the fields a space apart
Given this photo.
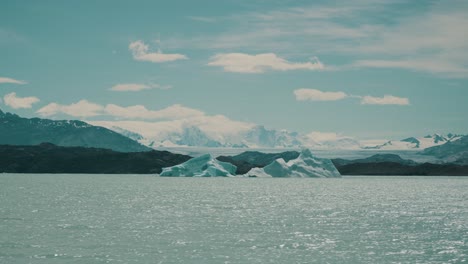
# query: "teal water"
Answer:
x=146 y=219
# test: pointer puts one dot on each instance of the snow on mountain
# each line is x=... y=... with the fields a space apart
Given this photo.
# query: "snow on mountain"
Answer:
x=416 y=143
x=218 y=131
x=127 y=133
x=203 y=166
x=320 y=140
x=304 y=166
x=455 y=151
x=180 y=133
x=214 y=131
x=259 y=136
x=342 y=143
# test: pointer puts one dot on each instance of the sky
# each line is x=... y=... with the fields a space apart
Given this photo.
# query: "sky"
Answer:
x=362 y=68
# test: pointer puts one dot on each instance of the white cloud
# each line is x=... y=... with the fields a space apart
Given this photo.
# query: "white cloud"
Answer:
x=429 y=38
x=245 y=63
x=140 y=112
x=317 y=95
x=135 y=87
x=434 y=41
x=159 y=124
x=140 y=52
x=10 y=80
x=386 y=100
x=324 y=136
x=437 y=67
x=132 y=87
x=19 y=102
x=83 y=108
x=291 y=30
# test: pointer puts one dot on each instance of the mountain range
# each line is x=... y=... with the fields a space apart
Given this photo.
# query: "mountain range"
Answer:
x=16 y=130
x=416 y=143
x=454 y=151
x=78 y=147
x=143 y=136
x=257 y=136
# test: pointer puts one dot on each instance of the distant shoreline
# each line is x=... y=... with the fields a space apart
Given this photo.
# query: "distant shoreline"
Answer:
x=47 y=158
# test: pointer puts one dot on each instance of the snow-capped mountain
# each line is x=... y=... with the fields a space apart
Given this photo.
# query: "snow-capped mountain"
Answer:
x=416 y=143
x=242 y=135
x=127 y=133
x=455 y=151
x=259 y=136
x=256 y=136
x=193 y=136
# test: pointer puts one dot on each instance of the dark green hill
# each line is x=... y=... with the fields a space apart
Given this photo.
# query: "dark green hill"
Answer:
x=49 y=158
x=377 y=158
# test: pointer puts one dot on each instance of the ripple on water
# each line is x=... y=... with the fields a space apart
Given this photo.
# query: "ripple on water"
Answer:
x=143 y=219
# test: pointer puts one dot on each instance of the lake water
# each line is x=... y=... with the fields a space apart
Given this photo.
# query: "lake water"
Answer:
x=147 y=219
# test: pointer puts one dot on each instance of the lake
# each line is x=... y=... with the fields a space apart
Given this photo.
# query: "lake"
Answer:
x=146 y=219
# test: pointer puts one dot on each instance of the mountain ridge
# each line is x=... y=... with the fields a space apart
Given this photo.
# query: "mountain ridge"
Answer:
x=454 y=151
x=258 y=136
x=16 y=130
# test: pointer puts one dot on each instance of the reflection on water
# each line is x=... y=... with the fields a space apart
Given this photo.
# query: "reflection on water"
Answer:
x=146 y=219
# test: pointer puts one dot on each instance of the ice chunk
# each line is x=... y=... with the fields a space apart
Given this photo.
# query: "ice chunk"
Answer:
x=306 y=165
x=203 y=166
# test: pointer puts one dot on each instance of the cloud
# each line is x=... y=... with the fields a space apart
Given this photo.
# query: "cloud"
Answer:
x=437 y=67
x=10 y=80
x=140 y=52
x=434 y=41
x=317 y=95
x=245 y=63
x=324 y=136
x=135 y=87
x=83 y=108
x=19 y=102
x=286 y=30
x=140 y=112
x=386 y=100
x=152 y=124
x=428 y=38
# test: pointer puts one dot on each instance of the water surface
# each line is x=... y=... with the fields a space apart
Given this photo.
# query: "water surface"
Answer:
x=147 y=219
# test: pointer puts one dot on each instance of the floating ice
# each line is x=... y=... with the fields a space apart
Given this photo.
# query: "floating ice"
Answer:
x=306 y=165
x=203 y=166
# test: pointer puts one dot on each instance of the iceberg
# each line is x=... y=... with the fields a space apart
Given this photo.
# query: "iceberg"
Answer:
x=304 y=166
x=203 y=166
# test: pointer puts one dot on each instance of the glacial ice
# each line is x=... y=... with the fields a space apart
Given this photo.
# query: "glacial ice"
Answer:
x=203 y=166
x=306 y=165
